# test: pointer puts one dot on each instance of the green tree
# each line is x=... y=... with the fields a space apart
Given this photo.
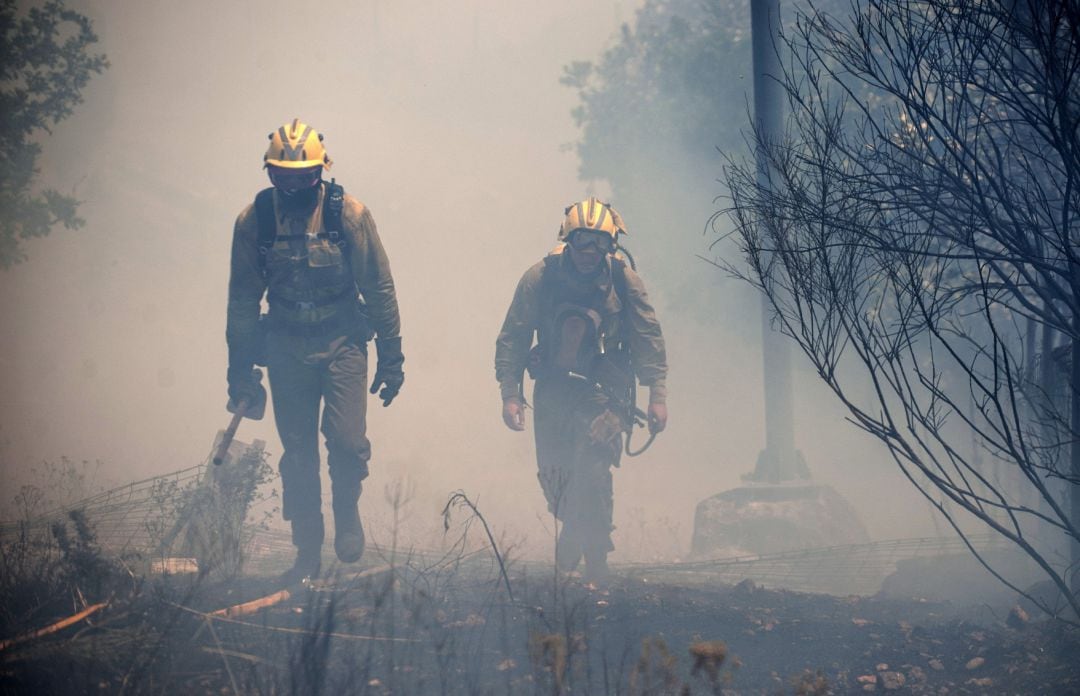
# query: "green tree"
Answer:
x=653 y=108
x=45 y=62
x=669 y=84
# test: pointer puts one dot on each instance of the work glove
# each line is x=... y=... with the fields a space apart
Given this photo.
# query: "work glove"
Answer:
x=388 y=372
x=657 y=417
x=513 y=413
x=246 y=385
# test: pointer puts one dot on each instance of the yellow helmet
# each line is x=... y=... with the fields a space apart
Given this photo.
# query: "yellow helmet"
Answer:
x=592 y=214
x=296 y=145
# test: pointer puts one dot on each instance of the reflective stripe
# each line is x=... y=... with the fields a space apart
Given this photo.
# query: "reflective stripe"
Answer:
x=599 y=224
x=288 y=152
x=584 y=217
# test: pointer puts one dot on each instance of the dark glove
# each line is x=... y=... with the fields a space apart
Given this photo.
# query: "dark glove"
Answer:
x=388 y=372
x=246 y=385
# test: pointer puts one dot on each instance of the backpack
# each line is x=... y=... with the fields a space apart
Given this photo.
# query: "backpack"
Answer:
x=620 y=378
x=613 y=372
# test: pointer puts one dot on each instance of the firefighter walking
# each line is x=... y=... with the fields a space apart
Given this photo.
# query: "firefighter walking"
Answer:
x=315 y=254
x=595 y=331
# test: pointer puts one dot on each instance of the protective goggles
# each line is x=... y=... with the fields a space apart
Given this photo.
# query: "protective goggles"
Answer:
x=294 y=179
x=583 y=240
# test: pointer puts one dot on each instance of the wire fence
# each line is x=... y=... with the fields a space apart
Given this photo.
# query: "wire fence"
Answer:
x=843 y=570
x=144 y=516
x=131 y=517
x=198 y=511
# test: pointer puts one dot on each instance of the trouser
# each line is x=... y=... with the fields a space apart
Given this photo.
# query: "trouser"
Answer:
x=305 y=372
x=578 y=441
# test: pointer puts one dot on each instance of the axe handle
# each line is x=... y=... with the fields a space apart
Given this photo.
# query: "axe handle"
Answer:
x=230 y=432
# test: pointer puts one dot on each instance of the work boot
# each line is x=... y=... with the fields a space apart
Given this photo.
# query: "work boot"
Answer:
x=307 y=537
x=306 y=567
x=596 y=551
x=348 y=535
x=596 y=567
x=568 y=553
x=348 y=531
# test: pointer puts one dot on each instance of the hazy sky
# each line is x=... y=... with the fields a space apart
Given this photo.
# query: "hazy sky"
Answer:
x=448 y=121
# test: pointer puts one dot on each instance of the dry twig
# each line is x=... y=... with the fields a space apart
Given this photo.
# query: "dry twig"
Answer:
x=299 y=631
x=252 y=606
x=58 y=626
x=459 y=498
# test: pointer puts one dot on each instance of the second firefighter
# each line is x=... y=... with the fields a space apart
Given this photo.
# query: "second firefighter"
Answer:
x=594 y=331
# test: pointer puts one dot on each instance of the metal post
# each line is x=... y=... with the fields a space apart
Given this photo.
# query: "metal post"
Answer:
x=778 y=460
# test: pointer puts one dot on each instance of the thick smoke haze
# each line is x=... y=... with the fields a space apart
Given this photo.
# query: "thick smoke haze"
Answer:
x=449 y=122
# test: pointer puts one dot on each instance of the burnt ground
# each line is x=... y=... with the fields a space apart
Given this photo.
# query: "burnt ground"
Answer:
x=449 y=626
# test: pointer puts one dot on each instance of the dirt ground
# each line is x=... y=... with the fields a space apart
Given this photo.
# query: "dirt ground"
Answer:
x=450 y=626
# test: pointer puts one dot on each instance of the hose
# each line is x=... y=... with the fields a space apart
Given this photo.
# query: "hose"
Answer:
x=637 y=417
x=634 y=453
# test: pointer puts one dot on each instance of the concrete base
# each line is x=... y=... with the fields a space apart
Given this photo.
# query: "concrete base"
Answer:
x=771 y=518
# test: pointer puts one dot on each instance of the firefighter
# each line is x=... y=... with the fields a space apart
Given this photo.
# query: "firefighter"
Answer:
x=595 y=331
x=315 y=254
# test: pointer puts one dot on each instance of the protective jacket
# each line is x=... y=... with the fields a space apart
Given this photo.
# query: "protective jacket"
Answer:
x=311 y=287
x=616 y=293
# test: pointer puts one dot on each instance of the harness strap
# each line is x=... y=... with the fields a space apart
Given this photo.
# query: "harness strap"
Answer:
x=277 y=300
x=618 y=280
x=264 y=218
x=319 y=329
x=333 y=204
x=332 y=236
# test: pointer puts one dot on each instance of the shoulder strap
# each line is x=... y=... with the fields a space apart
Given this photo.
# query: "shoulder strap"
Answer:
x=264 y=218
x=618 y=279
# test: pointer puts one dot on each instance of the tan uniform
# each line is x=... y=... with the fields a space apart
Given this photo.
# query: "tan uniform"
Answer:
x=369 y=265
x=316 y=348
x=578 y=427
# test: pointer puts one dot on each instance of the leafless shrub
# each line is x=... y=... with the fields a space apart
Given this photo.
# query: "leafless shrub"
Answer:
x=216 y=514
x=655 y=671
x=916 y=230
x=459 y=499
x=548 y=655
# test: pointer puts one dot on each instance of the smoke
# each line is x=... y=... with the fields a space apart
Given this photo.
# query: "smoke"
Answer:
x=449 y=122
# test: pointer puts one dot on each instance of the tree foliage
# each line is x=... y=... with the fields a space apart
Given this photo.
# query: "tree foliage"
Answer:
x=665 y=85
x=45 y=63
x=918 y=230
